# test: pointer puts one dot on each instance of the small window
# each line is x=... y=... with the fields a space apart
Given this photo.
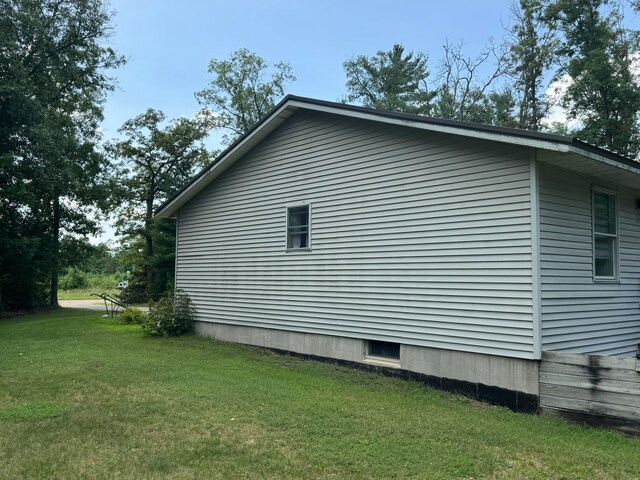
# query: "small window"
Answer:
x=605 y=235
x=384 y=349
x=298 y=227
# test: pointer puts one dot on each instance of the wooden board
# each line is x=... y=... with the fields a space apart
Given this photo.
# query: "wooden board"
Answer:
x=599 y=390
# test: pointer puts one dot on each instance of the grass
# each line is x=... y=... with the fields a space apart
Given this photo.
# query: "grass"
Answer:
x=85 y=293
x=85 y=397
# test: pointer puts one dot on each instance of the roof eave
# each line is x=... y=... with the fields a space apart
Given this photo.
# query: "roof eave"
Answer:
x=245 y=143
x=291 y=103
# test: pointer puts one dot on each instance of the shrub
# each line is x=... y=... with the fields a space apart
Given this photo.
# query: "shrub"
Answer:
x=136 y=292
x=171 y=316
x=74 y=278
x=133 y=316
x=103 y=281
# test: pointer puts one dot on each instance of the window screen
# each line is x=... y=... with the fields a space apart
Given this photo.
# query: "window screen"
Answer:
x=298 y=227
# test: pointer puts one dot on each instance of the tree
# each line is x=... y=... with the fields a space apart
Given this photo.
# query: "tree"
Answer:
x=390 y=81
x=596 y=54
x=75 y=186
x=240 y=94
x=465 y=95
x=531 y=47
x=155 y=161
x=81 y=254
x=53 y=82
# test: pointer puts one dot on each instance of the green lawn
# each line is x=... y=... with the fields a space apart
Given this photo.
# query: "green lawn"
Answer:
x=84 y=397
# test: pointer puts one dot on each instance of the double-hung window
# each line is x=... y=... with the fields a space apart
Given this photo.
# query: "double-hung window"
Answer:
x=298 y=228
x=605 y=235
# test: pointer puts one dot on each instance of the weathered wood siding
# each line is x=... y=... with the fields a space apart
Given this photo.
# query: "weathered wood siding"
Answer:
x=599 y=390
x=578 y=314
x=417 y=238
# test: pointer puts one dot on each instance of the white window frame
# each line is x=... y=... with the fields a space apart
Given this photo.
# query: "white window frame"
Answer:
x=616 y=237
x=288 y=208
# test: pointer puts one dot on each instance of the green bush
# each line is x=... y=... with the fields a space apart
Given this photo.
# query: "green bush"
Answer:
x=74 y=278
x=136 y=292
x=102 y=281
x=171 y=316
x=133 y=316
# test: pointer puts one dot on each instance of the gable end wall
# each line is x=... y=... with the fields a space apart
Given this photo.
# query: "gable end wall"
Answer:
x=417 y=238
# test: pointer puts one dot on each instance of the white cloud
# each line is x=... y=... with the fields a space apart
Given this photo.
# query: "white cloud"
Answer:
x=557 y=113
x=107 y=236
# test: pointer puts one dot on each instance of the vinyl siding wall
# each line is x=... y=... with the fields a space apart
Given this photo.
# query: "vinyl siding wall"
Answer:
x=417 y=238
x=578 y=314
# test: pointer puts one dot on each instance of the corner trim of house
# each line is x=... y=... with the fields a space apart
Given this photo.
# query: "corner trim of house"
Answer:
x=175 y=260
x=535 y=254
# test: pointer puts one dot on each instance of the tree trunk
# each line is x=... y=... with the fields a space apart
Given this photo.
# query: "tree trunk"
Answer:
x=55 y=252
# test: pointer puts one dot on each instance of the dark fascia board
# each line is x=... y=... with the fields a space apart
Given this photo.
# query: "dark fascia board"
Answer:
x=475 y=127
x=433 y=120
x=292 y=103
x=165 y=209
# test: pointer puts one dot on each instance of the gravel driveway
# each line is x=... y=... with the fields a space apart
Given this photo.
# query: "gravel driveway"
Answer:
x=86 y=304
x=97 y=304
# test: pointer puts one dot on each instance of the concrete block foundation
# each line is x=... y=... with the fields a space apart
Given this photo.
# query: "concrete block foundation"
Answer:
x=510 y=382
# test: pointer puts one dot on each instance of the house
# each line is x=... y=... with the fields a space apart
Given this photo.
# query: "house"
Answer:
x=448 y=251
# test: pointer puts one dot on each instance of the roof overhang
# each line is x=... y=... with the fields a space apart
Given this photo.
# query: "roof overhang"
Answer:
x=290 y=104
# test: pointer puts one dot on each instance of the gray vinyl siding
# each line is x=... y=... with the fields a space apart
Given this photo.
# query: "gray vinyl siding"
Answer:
x=417 y=238
x=578 y=314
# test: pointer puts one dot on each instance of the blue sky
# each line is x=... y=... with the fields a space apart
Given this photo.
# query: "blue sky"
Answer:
x=169 y=44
